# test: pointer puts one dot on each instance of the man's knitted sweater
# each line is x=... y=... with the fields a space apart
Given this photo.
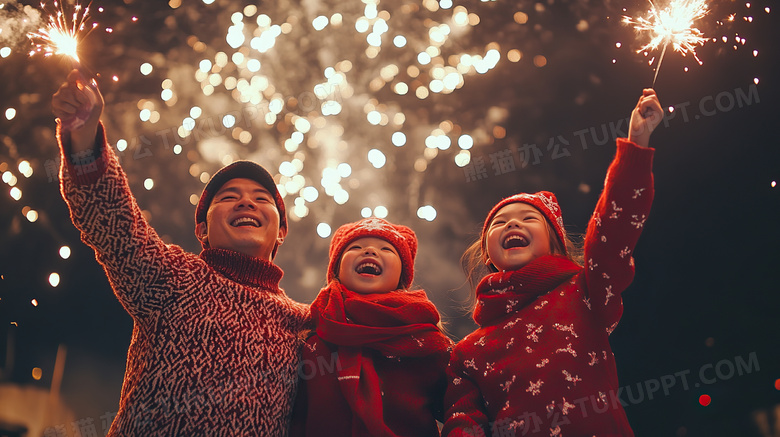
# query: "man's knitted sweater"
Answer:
x=215 y=346
x=541 y=363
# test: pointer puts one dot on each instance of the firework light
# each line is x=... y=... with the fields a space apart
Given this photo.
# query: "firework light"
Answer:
x=60 y=36
x=307 y=89
x=672 y=25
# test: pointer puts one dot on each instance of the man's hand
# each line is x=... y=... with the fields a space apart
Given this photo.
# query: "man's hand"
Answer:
x=76 y=95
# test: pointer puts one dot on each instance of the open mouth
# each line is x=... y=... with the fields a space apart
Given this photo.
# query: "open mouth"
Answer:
x=245 y=221
x=369 y=268
x=514 y=241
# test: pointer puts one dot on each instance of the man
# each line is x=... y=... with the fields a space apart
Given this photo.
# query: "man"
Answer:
x=214 y=348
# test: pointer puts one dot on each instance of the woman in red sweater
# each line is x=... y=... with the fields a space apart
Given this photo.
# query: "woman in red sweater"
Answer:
x=375 y=363
x=540 y=364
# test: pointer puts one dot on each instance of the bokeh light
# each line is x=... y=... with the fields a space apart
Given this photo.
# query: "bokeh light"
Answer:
x=341 y=197
x=15 y=193
x=377 y=158
x=25 y=169
x=382 y=110
x=426 y=212
x=323 y=230
x=310 y=194
x=465 y=142
x=54 y=279
x=399 y=139
x=344 y=170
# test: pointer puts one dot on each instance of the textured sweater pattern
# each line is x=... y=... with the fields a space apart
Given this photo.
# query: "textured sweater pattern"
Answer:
x=214 y=349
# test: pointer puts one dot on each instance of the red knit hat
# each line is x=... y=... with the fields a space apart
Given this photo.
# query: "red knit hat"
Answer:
x=246 y=170
x=544 y=201
x=402 y=238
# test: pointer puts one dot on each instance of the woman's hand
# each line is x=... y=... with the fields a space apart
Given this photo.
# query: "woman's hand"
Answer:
x=77 y=95
x=645 y=117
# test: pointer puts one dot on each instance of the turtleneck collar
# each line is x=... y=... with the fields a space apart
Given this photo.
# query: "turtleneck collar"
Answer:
x=244 y=269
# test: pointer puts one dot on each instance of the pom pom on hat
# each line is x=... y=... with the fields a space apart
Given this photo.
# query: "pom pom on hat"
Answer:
x=544 y=201
x=246 y=170
x=401 y=237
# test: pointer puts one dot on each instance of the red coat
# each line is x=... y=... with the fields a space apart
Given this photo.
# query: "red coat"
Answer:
x=541 y=363
x=412 y=393
x=375 y=366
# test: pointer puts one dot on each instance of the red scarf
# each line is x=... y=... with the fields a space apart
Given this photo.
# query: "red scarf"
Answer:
x=502 y=293
x=400 y=323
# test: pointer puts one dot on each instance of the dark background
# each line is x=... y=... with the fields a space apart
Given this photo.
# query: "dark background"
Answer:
x=704 y=302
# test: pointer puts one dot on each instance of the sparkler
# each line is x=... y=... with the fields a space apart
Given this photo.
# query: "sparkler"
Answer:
x=672 y=25
x=61 y=37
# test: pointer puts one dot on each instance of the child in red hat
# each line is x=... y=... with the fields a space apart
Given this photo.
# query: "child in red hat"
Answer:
x=540 y=364
x=375 y=364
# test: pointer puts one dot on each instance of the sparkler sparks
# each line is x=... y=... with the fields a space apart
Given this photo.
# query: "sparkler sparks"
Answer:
x=61 y=36
x=672 y=25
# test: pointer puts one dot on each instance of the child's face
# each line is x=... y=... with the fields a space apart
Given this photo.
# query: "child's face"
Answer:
x=517 y=234
x=370 y=265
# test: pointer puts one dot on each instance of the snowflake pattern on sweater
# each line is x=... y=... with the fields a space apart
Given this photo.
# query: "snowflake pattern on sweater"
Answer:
x=215 y=346
x=552 y=369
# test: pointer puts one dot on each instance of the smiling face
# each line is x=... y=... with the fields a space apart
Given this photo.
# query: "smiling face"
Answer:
x=242 y=217
x=518 y=234
x=370 y=265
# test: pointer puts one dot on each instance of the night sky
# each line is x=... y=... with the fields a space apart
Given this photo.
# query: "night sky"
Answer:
x=701 y=317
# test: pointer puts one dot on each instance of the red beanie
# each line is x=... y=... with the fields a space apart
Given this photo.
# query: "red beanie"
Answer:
x=402 y=238
x=245 y=170
x=544 y=201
